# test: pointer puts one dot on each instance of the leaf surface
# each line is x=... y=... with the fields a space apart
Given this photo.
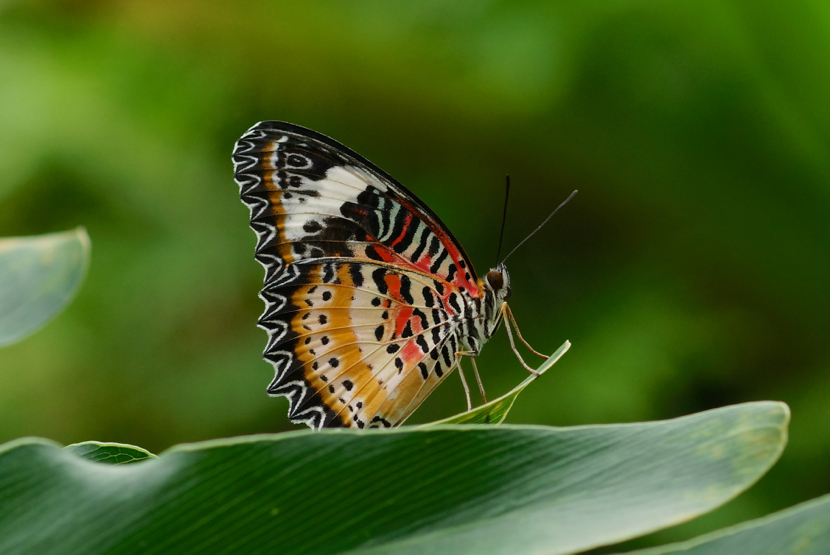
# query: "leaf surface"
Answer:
x=38 y=277
x=443 y=489
x=800 y=530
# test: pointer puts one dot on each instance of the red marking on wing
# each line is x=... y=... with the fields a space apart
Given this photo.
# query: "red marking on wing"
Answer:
x=402 y=318
x=404 y=227
x=411 y=351
x=393 y=282
x=453 y=250
x=460 y=279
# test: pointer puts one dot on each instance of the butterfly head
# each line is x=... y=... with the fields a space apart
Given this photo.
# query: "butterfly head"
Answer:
x=498 y=281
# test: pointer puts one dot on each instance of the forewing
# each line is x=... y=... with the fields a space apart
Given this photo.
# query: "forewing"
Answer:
x=311 y=197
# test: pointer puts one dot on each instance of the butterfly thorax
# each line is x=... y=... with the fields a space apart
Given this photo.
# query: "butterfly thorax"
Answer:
x=495 y=288
x=482 y=315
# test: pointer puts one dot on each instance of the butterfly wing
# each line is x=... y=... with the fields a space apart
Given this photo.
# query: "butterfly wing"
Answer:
x=355 y=343
x=362 y=279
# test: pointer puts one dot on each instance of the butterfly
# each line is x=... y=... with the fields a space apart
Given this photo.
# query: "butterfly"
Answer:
x=370 y=301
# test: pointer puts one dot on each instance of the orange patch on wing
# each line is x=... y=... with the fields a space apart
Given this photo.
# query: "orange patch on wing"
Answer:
x=277 y=211
x=341 y=345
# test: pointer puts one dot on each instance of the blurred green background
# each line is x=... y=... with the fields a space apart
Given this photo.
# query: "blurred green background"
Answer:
x=690 y=272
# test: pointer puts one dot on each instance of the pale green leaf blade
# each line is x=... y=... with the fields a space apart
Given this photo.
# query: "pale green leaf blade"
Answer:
x=109 y=453
x=38 y=277
x=443 y=489
x=800 y=530
x=496 y=410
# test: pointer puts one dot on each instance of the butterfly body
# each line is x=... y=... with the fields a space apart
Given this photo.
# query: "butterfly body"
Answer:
x=369 y=298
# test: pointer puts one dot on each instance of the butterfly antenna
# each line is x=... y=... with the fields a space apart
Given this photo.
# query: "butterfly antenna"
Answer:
x=504 y=217
x=540 y=226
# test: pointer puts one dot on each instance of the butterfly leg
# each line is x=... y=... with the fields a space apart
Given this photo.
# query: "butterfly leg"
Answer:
x=507 y=322
x=463 y=380
x=472 y=355
x=478 y=379
x=522 y=339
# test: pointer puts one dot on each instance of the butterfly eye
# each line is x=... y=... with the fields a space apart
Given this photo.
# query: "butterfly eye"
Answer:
x=495 y=279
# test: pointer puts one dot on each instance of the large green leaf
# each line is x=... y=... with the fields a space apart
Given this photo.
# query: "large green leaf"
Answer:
x=38 y=277
x=800 y=530
x=447 y=489
x=496 y=410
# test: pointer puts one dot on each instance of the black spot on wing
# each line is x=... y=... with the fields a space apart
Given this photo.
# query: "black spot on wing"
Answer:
x=356 y=274
x=454 y=303
x=438 y=261
x=379 y=421
x=434 y=245
x=406 y=289
x=328 y=274
x=408 y=235
x=312 y=226
x=445 y=352
x=436 y=335
x=436 y=316
x=378 y=277
x=422 y=244
x=437 y=368
x=429 y=300
x=417 y=313
x=439 y=287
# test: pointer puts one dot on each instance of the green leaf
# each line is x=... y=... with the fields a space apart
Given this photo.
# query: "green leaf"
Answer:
x=109 y=453
x=800 y=530
x=442 y=489
x=496 y=411
x=38 y=277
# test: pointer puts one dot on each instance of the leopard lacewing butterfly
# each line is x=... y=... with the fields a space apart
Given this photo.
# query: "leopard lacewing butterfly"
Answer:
x=370 y=300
